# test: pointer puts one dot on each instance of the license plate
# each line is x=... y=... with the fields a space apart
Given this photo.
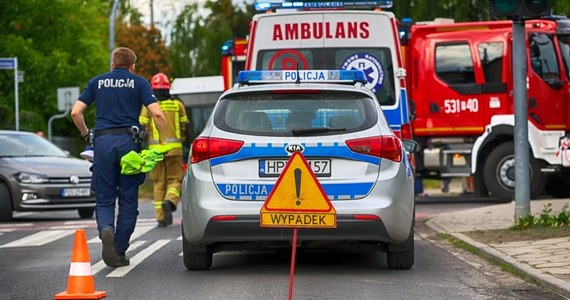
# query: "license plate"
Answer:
x=274 y=167
x=75 y=192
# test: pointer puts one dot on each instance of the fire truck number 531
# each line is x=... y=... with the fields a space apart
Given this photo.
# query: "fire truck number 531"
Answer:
x=456 y=105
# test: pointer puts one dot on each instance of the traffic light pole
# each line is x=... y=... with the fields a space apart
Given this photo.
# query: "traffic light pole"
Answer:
x=522 y=176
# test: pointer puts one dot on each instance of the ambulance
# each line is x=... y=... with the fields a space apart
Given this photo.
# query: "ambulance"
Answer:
x=335 y=35
x=460 y=78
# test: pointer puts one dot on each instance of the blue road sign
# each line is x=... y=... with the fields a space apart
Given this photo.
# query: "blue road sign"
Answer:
x=7 y=63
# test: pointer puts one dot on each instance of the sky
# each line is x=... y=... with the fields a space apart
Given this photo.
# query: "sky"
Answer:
x=163 y=9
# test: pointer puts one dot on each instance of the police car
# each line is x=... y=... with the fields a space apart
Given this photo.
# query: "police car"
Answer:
x=336 y=124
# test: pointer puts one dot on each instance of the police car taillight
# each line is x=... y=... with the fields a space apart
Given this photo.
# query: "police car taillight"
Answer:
x=388 y=147
x=207 y=147
x=297 y=76
x=288 y=4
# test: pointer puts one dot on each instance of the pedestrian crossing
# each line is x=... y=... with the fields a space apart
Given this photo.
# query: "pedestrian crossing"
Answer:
x=27 y=235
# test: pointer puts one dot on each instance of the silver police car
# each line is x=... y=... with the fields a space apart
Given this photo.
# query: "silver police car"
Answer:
x=337 y=125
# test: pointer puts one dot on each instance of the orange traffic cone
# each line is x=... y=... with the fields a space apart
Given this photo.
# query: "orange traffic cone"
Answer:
x=80 y=284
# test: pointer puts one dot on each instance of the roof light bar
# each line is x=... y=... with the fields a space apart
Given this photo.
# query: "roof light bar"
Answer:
x=282 y=76
x=268 y=4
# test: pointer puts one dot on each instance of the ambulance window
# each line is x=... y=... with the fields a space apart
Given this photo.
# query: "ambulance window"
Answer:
x=376 y=64
x=543 y=57
x=454 y=64
x=288 y=59
x=491 y=55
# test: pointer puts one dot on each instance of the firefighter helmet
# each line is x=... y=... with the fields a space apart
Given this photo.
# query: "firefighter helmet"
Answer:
x=160 y=81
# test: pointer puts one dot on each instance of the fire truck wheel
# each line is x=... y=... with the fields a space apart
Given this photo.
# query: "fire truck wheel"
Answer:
x=499 y=173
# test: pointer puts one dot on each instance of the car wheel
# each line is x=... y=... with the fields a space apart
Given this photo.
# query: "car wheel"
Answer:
x=402 y=259
x=86 y=213
x=195 y=261
x=499 y=173
x=5 y=203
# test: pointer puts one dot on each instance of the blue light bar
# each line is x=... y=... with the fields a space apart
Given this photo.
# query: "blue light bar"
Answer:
x=268 y=4
x=314 y=76
x=227 y=47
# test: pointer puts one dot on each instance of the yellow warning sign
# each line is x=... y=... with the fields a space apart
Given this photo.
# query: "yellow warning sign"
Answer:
x=297 y=199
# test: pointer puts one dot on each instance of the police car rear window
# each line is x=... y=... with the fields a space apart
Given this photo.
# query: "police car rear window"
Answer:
x=375 y=62
x=295 y=114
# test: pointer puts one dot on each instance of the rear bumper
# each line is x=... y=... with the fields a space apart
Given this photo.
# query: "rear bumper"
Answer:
x=245 y=233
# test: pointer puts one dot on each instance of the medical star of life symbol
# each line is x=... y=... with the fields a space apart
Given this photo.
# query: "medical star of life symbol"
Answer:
x=370 y=66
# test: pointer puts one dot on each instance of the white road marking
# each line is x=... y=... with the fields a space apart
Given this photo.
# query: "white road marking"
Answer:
x=101 y=264
x=39 y=238
x=139 y=230
x=68 y=227
x=16 y=225
x=137 y=259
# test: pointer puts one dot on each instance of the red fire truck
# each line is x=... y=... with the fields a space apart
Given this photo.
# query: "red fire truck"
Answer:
x=459 y=76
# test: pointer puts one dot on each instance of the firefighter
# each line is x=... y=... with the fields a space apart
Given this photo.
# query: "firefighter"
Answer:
x=167 y=174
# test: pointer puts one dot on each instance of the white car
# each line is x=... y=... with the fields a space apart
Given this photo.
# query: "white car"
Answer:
x=338 y=126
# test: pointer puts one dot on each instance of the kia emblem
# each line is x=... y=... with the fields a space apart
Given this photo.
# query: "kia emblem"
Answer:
x=294 y=148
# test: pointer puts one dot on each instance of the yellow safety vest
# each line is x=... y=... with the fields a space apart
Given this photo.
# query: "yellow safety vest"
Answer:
x=176 y=120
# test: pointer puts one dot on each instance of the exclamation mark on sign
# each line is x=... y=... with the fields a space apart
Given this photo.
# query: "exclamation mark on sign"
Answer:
x=298 y=185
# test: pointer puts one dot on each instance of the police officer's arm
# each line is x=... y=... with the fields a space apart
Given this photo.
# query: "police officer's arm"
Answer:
x=159 y=120
x=77 y=116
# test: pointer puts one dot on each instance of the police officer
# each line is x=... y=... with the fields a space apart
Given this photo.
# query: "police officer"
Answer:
x=118 y=97
x=167 y=174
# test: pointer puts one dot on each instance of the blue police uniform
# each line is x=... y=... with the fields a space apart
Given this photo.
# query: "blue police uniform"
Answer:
x=118 y=96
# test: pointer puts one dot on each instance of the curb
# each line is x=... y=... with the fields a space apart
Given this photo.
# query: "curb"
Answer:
x=554 y=284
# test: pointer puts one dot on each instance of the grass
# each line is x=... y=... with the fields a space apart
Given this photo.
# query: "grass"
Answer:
x=473 y=250
x=498 y=236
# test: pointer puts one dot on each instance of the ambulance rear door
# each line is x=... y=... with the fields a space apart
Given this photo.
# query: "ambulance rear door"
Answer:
x=365 y=40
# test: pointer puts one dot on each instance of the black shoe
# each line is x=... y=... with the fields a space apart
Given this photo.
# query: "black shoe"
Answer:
x=161 y=224
x=109 y=255
x=167 y=207
x=122 y=261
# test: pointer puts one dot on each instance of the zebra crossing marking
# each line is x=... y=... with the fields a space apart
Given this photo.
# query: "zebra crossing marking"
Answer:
x=39 y=238
x=138 y=258
x=100 y=265
x=139 y=231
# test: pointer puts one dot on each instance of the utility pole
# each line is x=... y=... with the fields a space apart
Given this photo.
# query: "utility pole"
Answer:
x=151 y=14
x=112 y=31
x=518 y=11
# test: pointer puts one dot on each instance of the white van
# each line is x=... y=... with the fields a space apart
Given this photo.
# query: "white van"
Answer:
x=336 y=39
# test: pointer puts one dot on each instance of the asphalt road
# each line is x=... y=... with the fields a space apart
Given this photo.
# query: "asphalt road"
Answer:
x=35 y=252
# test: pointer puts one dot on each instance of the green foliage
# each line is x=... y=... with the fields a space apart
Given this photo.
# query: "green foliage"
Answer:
x=459 y=10
x=58 y=44
x=544 y=219
x=194 y=49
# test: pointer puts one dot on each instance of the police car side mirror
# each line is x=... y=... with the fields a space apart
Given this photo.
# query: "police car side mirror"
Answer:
x=410 y=146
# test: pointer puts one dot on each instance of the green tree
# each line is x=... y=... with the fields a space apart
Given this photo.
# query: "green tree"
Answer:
x=58 y=44
x=195 y=50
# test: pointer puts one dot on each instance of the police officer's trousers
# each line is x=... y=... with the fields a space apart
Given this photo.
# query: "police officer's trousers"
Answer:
x=109 y=185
